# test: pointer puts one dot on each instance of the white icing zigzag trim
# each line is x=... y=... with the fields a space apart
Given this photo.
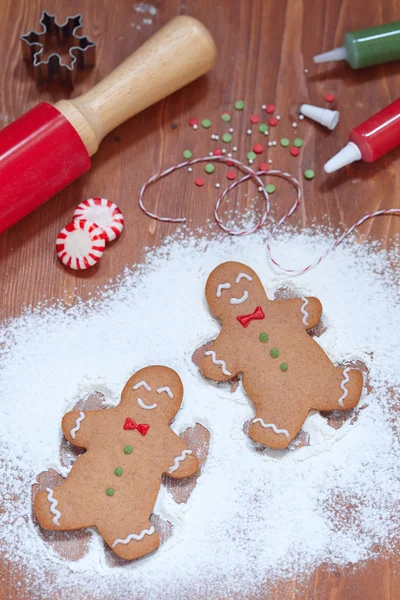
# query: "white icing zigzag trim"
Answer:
x=53 y=507
x=165 y=389
x=133 y=536
x=179 y=459
x=222 y=363
x=272 y=426
x=144 y=384
x=303 y=311
x=243 y=275
x=345 y=381
x=77 y=427
x=222 y=286
x=241 y=299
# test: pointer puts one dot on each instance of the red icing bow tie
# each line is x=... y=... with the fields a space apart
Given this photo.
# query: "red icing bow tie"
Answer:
x=257 y=315
x=141 y=427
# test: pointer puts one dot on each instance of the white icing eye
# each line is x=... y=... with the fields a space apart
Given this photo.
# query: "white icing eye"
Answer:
x=142 y=384
x=222 y=286
x=243 y=276
x=241 y=299
x=165 y=389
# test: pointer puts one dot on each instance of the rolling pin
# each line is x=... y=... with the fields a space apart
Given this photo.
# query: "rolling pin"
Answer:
x=50 y=146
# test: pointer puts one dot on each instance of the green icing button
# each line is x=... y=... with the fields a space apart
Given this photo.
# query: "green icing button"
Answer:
x=239 y=105
x=227 y=138
x=270 y=188
x=118 y=471
x=309 y=174
x=298 y=142
x=206 y=123
x=284 y=142
x=274 y=352
x=263 y=127
x=187 y=154
x=251 y=156
x=226 y=117
x=110 y=492
x=284 y=367
x=209 y=168
x=128 y=449
x=263 y=337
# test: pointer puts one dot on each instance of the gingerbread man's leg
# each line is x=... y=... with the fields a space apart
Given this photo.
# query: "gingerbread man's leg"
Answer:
x=344 y=393
x=56 y=509
x=140 y=540
x=269 y=431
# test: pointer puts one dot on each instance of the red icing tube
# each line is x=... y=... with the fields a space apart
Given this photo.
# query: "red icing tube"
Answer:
x=370 y=140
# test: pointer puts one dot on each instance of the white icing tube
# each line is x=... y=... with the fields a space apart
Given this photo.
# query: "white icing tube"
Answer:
x=240 y=300
x=345 y=381
x=134 y=536
x=243 y=275
x=77 y=427
x=272 y=426
x=221 y=363
x=144 y=384
x=179 y=459
x=303 y=310
x=53 y=507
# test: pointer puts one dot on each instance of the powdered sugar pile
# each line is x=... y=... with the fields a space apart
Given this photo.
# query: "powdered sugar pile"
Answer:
x=253 y=515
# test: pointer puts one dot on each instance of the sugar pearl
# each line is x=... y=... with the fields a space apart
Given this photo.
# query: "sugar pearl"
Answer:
x=217 y=185
x=294 y=124
x=234 y=148
x=223 y=150
x=190 y=169
x=301 y=117
x=278 y=117
x=229 y=154
x=230 y=129
x=263 y=106
x=195 y=126
x=249 y=132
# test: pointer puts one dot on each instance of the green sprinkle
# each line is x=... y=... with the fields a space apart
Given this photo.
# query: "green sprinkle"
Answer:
x=263 y=127
x=239 y=105
x=118 y=471
x=298 y=142
x=128 y=449
x=187 y=154
x=264 y=337
x=270 y=188
x=209 y=168
x=110 y=492
x=309 y=174
x=284 y=367
x=227 y=137
x=206 y=123
x=226 y=117
x=251 y=156
x=284 y=142
x=274 y=352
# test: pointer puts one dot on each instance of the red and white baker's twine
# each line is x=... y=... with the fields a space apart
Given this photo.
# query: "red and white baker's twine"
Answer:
x=255 y=175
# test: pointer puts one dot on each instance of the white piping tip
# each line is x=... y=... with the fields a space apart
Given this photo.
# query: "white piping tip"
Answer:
x=346 y=156
x=326 y=117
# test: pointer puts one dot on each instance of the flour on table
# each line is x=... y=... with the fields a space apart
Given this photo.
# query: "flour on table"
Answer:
x=253 y=515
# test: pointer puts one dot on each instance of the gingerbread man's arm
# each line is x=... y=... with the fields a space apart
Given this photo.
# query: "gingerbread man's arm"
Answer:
x=181 y=460
x=76 y=426
x=218 y=362
x=308 y=310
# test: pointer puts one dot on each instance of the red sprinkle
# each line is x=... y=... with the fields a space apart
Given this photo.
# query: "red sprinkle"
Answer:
x=294 y=151
x=258 y=148
x=199 y=181
x=231 y=175
x=273 y=122
x=329 y=97
x=264 y=167
x=254 y=119
x=217 y=152
x=193 y=122
x=270 y=108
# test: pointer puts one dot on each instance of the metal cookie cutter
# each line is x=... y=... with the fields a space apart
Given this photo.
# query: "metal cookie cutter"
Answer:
x=81 y=50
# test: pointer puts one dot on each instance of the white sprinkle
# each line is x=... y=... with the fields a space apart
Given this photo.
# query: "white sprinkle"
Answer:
x=223 y=150
x=260 y=189
x=195 y=126
x=270 y=161
x=306 y=71
x=301 y=117
x=230 y=129
x=274 y=143
x=251 y=162
x=278 y=117
x=263 y=106
x=229 y=154
x=270 y=144
x=294 y=124
x=210 y=154
x=249 y=132
x=190 y=169
x=217 y=185
x=234 y=148
x=266 y=132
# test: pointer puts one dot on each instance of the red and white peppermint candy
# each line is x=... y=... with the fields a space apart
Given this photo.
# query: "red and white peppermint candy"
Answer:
x=103 y=212
x=80 y=244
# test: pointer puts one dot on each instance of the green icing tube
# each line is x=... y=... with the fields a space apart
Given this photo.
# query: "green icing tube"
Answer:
x=366 y=47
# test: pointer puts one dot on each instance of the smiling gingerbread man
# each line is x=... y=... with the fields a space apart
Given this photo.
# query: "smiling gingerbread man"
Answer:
x=114 y=485
x=284 y=371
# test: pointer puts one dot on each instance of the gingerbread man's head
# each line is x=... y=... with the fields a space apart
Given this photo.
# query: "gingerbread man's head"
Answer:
x=233 y=289
x=153 y=394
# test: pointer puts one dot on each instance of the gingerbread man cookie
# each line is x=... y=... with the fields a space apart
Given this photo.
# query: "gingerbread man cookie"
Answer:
x=114 y=485
x=284 y=371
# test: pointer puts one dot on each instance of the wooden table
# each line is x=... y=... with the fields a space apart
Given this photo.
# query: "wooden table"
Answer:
x=264 y=47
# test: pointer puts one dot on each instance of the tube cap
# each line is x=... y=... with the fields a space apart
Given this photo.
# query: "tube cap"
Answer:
x=335 y=54
x=324 y=116
x=346 y=156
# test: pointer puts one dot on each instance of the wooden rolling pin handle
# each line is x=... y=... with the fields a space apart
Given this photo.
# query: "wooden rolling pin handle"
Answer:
x=176 y=55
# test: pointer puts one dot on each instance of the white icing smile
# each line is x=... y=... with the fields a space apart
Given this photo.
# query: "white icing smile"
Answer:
x=146 y=406
x=240 y=300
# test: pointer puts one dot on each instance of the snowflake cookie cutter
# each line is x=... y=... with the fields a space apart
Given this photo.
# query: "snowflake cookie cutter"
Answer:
x=81 y=50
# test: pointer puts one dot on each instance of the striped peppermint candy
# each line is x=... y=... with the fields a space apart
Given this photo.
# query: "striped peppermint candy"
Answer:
x=80 y=244
x=105 y=213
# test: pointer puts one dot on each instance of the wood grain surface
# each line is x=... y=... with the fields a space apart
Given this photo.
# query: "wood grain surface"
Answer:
x=263 y=47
